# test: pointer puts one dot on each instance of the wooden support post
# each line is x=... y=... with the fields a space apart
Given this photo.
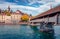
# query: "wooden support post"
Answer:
x=57 y=18
x=48 y=18
x=43 y=19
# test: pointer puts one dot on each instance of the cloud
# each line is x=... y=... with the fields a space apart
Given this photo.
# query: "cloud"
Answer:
x=39 y=1
x=47 y=7
x=16 y=1
x=14 y=7
x=57 y=1
x=28 y=9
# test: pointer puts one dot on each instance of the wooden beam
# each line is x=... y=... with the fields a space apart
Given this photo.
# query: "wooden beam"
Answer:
x=57 y=18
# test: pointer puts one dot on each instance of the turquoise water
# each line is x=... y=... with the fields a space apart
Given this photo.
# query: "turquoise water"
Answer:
x=26 y=32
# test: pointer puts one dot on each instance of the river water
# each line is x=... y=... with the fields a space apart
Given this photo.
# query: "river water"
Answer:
x=26 y=32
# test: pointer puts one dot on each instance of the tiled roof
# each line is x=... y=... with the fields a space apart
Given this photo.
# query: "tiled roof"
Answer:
x=19 y=12
x=51 y=11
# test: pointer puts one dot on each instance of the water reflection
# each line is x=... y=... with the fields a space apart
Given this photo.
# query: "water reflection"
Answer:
x=41 y=35
x=44 y=35
x=36 y=32
x=47 y=31
x=25 y=32
x=34 y=28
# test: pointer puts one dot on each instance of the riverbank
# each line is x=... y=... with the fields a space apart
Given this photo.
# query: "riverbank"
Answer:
x=24 y=24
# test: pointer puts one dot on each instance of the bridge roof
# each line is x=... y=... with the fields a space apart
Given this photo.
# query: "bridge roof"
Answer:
x=51 y=11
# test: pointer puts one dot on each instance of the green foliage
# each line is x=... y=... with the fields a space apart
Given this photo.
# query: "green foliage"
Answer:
x=7 y=13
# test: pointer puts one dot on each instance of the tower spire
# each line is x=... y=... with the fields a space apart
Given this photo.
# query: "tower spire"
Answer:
x=8 y=8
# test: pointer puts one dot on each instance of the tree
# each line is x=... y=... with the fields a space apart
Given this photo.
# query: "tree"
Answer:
x=30 y=14
x=25 y=17
x=7 y=13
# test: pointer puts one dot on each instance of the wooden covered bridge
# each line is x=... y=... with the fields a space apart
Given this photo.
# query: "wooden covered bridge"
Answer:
x=52 y=15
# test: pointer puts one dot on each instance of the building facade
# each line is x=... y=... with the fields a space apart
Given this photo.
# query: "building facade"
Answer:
x=13 y=18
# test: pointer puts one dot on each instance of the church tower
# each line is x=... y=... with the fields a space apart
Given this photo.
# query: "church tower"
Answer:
x=8 y=8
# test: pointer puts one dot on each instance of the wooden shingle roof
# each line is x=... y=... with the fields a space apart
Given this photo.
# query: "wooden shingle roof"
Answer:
x=51 y=11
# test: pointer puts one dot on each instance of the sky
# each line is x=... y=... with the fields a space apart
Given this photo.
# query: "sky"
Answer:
x=33 y=7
